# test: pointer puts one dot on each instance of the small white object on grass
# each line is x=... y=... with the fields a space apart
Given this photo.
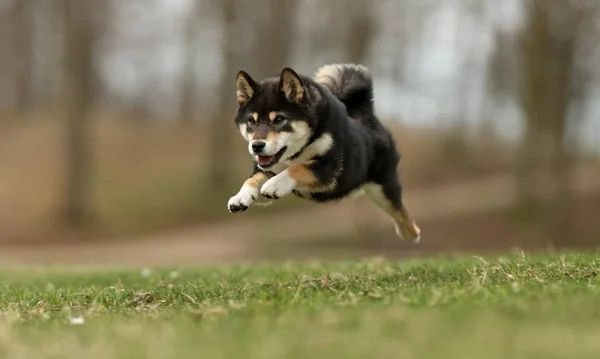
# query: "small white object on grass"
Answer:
x=77 y=320
x=146 y=272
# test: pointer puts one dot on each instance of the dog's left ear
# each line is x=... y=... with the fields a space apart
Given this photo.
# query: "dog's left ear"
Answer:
x=292 y=86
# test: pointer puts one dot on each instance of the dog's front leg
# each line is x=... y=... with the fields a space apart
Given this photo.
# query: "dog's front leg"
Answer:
x=248 y=194
x=307 y=175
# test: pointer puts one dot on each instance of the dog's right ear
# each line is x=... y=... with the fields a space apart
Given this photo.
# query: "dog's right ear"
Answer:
x=245 y=88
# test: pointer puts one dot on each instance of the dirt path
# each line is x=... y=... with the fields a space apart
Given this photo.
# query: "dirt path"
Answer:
x=234 y=240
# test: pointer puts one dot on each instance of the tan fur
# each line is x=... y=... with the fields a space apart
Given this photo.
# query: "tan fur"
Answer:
x=410 y=226
x=272 y=115
x=272 y=136
x=305 y=178
x=302 y=174
x=257 y=180
x=406 y=228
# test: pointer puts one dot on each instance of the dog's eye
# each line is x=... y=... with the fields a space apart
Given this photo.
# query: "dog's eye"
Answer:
x=251 y=119
x=278 y=119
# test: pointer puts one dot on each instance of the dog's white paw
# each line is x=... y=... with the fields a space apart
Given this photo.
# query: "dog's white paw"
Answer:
x=243 y=199
x=278 y=186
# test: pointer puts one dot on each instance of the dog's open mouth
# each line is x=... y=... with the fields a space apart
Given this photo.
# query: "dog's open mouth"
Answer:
x=267 y=161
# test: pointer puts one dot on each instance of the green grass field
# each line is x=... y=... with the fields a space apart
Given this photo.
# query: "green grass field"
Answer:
x=518 y=306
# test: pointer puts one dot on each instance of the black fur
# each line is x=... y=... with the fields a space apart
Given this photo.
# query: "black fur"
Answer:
x=340 y=104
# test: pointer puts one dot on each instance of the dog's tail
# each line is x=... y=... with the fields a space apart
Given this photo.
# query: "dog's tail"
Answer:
x=350 y=83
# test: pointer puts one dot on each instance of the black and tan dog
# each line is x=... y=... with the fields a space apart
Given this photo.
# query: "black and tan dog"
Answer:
x=319 y=138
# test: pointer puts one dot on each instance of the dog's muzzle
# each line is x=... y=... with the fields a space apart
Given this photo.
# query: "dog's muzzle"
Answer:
x=268 y=161
x=258 y=147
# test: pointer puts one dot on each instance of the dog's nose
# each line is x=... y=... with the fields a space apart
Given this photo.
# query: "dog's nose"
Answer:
x=258 y=146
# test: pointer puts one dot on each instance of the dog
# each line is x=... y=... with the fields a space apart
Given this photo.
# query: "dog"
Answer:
x=319 y=138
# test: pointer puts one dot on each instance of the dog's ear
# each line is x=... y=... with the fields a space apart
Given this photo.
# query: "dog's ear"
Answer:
x=292 y=86
x=245 y=87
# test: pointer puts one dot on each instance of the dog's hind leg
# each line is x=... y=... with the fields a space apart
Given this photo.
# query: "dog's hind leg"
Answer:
x=387 y=197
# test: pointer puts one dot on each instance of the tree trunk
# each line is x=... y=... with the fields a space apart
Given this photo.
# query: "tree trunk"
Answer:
x=545 y=167
x=360 y=32
x=22 y=43
x=188 y=78
x=274 y=47
x=222 y=128
x=78 y=43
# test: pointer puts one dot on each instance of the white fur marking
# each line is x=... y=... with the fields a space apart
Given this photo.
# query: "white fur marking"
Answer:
x=279 y=186
x=297 y=139
x=282 y=140
x=244 y=131
x=319 y=147
x=244 y=198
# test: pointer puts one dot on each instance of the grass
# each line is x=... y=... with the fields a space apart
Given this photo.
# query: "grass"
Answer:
x=517 y=306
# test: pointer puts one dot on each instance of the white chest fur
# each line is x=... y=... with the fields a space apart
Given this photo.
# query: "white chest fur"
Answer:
x=320 y=146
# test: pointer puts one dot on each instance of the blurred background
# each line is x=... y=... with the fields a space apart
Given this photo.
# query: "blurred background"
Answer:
x=117 y=140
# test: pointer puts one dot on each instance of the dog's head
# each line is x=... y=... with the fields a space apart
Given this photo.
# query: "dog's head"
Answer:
x=274 y=116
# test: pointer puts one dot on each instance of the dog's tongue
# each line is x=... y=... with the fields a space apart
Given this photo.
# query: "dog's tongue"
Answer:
x=264 y=160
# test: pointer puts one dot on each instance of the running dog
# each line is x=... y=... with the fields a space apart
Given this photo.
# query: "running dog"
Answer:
x=319 y=138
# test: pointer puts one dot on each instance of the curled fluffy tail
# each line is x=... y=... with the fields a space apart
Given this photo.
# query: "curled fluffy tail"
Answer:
x=350 y=83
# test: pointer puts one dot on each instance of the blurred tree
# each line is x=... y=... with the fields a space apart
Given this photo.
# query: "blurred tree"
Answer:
x=455 y=147
x=342 y=31
x=5 y=61
x=273 y=37
x=188 y=76
x=549 y=45
x=501 y=67
x=21 y=16
x=500 y=77
x=270 y=30
x=45 y=69
x=80 y=34
x=221 y=131
x=360 y=31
